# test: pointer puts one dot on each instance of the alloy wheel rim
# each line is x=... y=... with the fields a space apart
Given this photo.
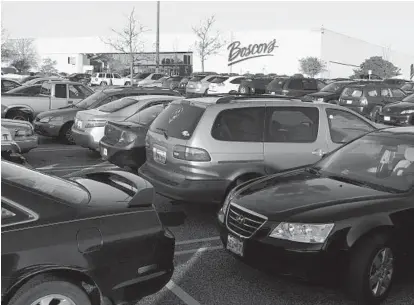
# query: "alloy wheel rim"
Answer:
x=69 y=135
x=243 y=90
x=381 y=272
x=54 y=299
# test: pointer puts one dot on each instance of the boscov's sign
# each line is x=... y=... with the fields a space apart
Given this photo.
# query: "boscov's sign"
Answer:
x=237 y=53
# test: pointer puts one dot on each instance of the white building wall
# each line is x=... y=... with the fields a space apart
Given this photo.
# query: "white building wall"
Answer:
x=352 y=51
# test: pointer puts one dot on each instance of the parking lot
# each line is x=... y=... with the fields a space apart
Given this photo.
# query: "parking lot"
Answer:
x=205 y=273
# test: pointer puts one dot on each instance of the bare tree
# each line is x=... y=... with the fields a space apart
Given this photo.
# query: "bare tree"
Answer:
x=208 y=42
x=23 y=54
x=5 y=46
x=129 y=40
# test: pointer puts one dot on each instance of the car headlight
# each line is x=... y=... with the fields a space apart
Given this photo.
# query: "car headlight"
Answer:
x=95 y=123
x=408 y=111
x=303 y=233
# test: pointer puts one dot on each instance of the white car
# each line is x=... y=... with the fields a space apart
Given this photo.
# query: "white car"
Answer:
x=225 y=84
x=152 y=78
x=109 y=79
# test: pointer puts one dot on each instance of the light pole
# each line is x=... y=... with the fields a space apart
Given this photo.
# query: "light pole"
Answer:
x=158 y=39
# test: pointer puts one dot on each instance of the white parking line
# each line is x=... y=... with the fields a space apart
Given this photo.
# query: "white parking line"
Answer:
x=192 y=241
x=181 y=294
x=183 y=252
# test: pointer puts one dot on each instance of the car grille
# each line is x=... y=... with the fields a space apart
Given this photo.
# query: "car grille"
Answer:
x=243 y=222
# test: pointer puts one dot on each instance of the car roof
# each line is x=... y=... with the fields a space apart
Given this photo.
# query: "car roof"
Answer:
x=134 y=89
x=372 y=85
x=154 y=97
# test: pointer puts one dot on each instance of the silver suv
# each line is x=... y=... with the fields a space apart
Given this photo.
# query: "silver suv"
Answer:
x=198 y=149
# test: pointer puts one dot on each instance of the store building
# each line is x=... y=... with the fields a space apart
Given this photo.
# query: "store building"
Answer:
x=271 y=51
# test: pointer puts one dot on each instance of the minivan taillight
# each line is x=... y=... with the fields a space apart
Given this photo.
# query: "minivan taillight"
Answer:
x=147 y=143
x=363 y=101
x=191 y=154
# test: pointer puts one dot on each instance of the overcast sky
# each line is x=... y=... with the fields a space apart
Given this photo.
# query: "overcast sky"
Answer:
x=385 y=23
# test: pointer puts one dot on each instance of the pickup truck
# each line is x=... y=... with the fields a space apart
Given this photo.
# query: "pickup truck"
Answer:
x=52 y=95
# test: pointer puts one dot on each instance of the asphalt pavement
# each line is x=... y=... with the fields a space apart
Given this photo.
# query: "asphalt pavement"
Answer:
x=204 y=272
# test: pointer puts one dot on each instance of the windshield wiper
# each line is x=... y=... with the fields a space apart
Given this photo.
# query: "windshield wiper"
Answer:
x=164 y=131
x=363 y=183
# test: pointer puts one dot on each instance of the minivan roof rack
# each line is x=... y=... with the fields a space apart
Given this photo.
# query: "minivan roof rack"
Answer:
x=228 y=98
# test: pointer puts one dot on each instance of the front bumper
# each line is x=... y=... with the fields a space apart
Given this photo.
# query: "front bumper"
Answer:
x=194 y=191
x=124 y=284
x=307 y=262
x=47 y=129
x=396 y=120
x=88 y=138
x=129 y=155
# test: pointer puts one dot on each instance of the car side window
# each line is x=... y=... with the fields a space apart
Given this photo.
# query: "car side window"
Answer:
x=117 y=76
x=60 y=91
x=239 y=125
x=310 y=84
x=397 y=92
x=13 y=215
x=385 y=92
x=292 y=124
x=156 y=76
x=46 y=89
x=295 y=84
x=101 y=75
x=237 y=81
x=8 y=85
x=75 y=92
x=345 y=126
x=372 y=93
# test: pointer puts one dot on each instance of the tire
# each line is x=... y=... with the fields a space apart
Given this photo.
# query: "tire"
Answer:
x=127 y=83
x=19 y=115
x=104 y=84
x=66 y=135
x=362 y=267
x=41 y=287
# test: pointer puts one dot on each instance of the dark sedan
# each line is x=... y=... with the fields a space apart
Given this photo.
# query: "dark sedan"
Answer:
x=328 y=94
x=124 y=142
x=76 y=241
x=351 y=214
x=399 y=113
x=58 y=123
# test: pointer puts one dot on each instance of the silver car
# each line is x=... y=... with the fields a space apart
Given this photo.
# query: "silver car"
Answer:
x=89 y=126
x=198 y=149
x=22 y=133
x=198 y=85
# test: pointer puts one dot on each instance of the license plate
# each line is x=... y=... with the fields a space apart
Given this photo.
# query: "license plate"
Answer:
x=235 y=245
x=387 y=118
x=160 y=156
x=349 y=102
x=104 y=152
x=79 y=124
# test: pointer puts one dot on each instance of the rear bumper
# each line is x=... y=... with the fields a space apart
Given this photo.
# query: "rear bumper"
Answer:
x=123 y=156
x=194 y=191
x=88 y=138
x=46 y=129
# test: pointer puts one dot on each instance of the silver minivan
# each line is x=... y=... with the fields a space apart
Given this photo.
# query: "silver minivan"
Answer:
x=198 y=149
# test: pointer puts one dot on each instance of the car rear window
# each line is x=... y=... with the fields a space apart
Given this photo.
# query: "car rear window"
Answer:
x=218 y=80
x=146 y=116
x=352 y=92
x=118 y=105
x=178 y=121
x=52 y=186
x=196 y=78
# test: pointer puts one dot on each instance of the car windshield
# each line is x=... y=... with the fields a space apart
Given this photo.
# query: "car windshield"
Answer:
x=146 y=116
x=407 y=86
x=409 y=98
x=142 y=75
x=352 y=92
x=55 y=187
x=333 y=87
x=118 y=105
x=91 y=100
x=381 y=160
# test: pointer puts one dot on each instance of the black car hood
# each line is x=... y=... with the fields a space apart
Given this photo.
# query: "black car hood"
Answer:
x=285 y=195
x=60 y=112
x=398 y=107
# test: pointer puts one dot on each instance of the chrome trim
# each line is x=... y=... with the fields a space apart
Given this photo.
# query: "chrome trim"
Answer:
x=249 y=212
x=32 y=215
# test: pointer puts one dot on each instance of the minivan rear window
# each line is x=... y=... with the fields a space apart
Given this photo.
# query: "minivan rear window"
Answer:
x=352 y=92
x=178 y=121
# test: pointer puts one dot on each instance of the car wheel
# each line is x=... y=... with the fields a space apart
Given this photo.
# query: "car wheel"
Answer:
x=66 y=134
x=127 y=83
x=18 y=115
x=371 y=270
x=47 y=290
x=104 y=84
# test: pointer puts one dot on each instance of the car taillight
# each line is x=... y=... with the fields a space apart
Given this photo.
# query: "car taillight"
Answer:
x=363 y=101
x=191 y=154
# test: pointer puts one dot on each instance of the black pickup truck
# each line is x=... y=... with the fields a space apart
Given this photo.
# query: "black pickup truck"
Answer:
x=255 y=85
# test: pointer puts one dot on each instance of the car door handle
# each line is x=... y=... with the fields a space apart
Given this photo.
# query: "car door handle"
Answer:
x=318 y=152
